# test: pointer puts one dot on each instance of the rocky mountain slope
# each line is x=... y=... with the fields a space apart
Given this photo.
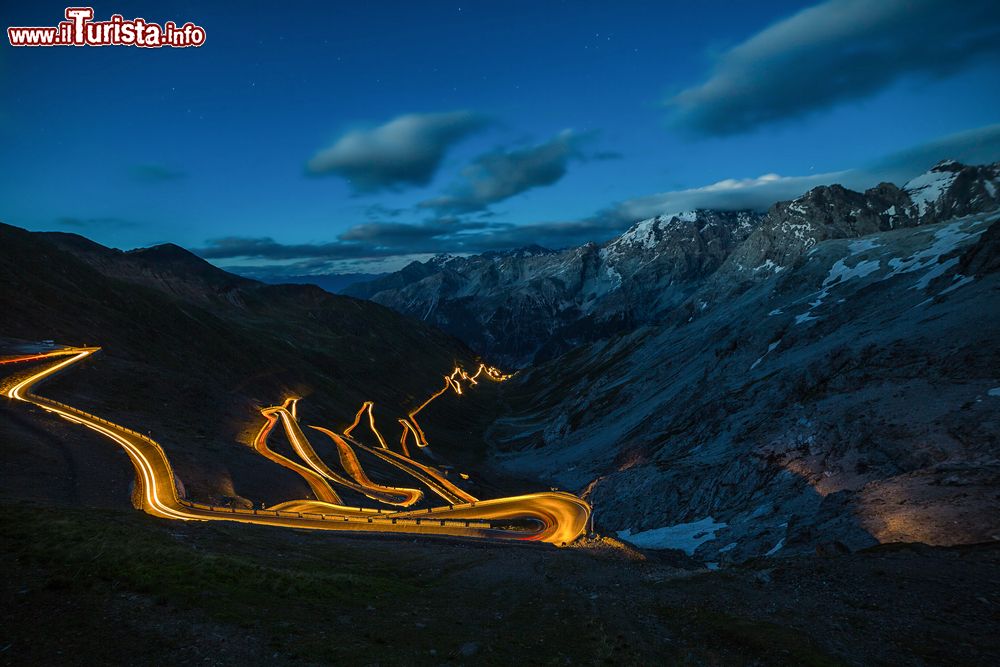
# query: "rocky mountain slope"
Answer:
x=533 y=304
x=835 y=383
x=823 y=376
x=190 y=353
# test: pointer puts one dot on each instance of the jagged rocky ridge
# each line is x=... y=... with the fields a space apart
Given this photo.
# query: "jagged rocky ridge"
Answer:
x=534 y=304
x=822 y=376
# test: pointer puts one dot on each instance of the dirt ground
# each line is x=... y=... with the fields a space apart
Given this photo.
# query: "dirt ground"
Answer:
x=111 y=586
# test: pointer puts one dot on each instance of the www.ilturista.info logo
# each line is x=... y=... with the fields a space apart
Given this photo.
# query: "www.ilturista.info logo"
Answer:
x=79 y=29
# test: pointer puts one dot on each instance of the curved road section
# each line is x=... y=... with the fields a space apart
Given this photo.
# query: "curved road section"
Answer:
x=554 y=517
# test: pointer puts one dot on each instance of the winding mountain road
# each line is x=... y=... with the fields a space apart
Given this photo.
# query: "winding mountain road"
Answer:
x=553 y=517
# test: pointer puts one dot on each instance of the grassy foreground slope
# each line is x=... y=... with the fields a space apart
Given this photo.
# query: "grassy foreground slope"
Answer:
x=93 y=587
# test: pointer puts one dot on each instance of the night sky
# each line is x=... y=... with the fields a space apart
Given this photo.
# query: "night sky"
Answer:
x=356 y=136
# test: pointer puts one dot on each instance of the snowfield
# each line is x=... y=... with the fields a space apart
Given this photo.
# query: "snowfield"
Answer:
x=684 y=536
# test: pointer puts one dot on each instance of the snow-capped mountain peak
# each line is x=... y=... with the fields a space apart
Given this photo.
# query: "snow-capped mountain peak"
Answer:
x=531 y=304
x=950 y=187
x=927 y=188
x=644 y=232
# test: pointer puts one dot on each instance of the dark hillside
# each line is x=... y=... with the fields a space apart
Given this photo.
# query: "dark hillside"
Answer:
x=191 y=353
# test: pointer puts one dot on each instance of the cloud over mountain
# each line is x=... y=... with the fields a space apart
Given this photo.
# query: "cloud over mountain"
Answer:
x=405 y=151
x=380 y=239
x=976 y=146
x=501 y=174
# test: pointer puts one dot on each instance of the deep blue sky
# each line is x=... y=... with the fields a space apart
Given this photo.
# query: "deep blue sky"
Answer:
x=553 y=122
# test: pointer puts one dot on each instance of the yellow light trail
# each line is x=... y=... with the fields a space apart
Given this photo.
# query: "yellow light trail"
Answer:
x=426 y=474
x=320 y=487
x=549 y=516
x=349 y=461
x=357 y=418
x=421 y=439
x=410 y=424
x=560 y=517
x=407 y=430
x=300 y=443
x=367 y=407
x=450 y=382
x=371 y=424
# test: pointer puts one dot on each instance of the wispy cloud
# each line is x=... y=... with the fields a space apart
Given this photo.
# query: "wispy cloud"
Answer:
x=729 y=194
x=379 y=245
x=156 y=173
x=379 y=240
x=406 y=151
x=981 y=145
x=378 y=211
x=367 y=240
x=977 y=146
x=501 y=174
x=836 y=51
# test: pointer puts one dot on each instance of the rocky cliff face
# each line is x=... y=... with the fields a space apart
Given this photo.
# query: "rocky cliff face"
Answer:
x=834 y=381
x=820 y=377
x=792 y=228
x=533 y=304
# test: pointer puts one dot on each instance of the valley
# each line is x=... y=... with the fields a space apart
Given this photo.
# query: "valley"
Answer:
x=809 y=407
x=818 y=375
x=522 y=333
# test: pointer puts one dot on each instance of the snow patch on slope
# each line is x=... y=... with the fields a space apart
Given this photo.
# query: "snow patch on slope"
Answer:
x=644 y=232
x=770 y=349
x=684 y=536
x=926 y=189
x=776 y=548
x=840 y=272
x=946 y=239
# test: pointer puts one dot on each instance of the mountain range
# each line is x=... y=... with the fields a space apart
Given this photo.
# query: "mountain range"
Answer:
x=532 y=304
x=740 y=384
x=821 y=376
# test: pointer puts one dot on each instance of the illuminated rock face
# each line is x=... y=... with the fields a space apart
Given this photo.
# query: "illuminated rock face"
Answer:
x=533 y=304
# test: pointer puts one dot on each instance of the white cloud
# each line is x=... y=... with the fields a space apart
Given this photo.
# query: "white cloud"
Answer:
x=405 y=151
x=977 y=146
x=836 y=51
x=728 y=194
